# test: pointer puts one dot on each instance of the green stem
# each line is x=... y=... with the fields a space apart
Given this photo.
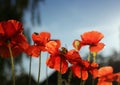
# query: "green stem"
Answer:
x=12 y=64
x=39 y=67
x=47 y=74
x=93 y=81
x=59 y=74
x=94 y=56
x=59 y=78
x=30 y=70
x=84 y=82
x=88 y=57
x=81 y=82
x=69 y=77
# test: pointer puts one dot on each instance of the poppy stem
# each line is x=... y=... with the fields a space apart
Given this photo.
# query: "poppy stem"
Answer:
x=59 y=74
x=39 y=68
x=69 y=77
x=93 y=81
x=59 y=78
x=47 y=73
x=84 y=82
x=12 y=64
x=94 y=56
x=30 y=70
x=81 y=82
x=88 y=57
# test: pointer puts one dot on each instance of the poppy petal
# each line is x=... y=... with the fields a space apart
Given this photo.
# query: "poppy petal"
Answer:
x=73 y=56
x=103 y=71
x=1 y=30
x=50 y=62
x=12 y=28
x=60 y=64
x=52 y=47
x=92 y=37
x=33 y=51
x=76 y=69
x=97 y=48
x=56 y=63
x=100 y=82
x=41 y=38
x=17 y=25
x=21 y=41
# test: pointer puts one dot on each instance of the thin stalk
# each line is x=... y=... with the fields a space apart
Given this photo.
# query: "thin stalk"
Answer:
x=93 y=81
x=39 y=68
x=59 y=78
x=30 y=70
x=12 y=64
x=46 y=76
x=59 y=74
x=88 y=57
x=94 y=56
x=84 y=82
x=81 y=81
x=69 y=77
x=47 y=73
x=94 y=60
x=81 y=76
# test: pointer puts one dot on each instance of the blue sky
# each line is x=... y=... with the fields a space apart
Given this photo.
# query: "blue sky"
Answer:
x=68 y=19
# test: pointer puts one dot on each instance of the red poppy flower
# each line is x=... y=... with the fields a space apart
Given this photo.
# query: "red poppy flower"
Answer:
x=92 y=39
x=62 y=54
x=79 y=72
x=40 y=40
x=57 y=63
x=93 y=69
x=53 y=47
x=11 y=34
x=57 y=58
x=73 y=56
x=82 y=68
x=106 y=76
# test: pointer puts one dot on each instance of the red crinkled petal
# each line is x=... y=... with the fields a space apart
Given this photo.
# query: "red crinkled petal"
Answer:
x=76 y=69
x=21 y=41
x=1 y=30
x=41 y=38
x=52 y=47
x=33 y=51
x=60 y=63
x=103 y=71
x=11 y=28
x=102 y=82
x=55 y=62
x=73 y=56
x=97 y=48
x=17 y=25
x=92 y=37
x=50 y=62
